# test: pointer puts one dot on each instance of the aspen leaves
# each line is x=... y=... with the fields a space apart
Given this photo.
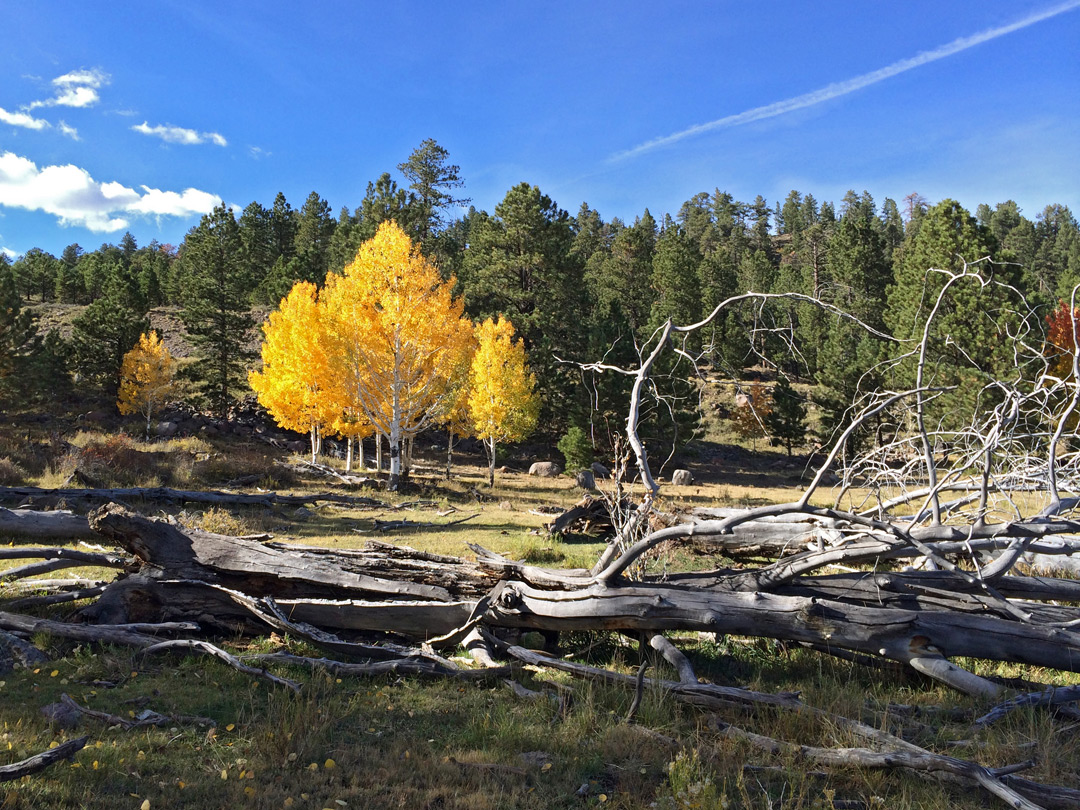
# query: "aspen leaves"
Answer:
x=147 y=378
x=385 y=346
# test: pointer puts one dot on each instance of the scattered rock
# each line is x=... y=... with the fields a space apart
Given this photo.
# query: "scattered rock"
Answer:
x=545 y=469
x=506 y=506
x=167 y=430
x=682 y=478
x=61 y=715
x=600 y=471
x=585 y=479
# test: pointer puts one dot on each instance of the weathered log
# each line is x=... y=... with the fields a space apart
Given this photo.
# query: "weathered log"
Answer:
x=900 y=635
x=180 y=496
x=60 y=524
x=169 y=552
x=40 y=762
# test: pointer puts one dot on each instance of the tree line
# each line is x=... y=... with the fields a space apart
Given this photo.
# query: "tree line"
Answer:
x=576 y=287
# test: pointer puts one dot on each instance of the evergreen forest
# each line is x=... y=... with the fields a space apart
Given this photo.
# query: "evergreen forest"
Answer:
x=577 y=287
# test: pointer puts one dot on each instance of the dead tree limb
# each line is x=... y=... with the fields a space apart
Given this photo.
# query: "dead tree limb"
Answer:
x=40 y=762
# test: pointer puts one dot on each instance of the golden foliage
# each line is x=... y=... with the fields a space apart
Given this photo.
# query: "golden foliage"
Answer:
x=503 y=404
x=147 y=377
x=294 y=382
x=396 y=336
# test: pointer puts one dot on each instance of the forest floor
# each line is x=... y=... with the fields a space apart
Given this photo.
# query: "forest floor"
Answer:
x=347 y=742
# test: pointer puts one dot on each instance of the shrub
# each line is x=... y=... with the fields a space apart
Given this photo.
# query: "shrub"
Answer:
x=11 y=474
x=576 y=449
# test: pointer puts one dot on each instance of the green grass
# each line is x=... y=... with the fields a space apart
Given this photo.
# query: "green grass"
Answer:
x=403 y=742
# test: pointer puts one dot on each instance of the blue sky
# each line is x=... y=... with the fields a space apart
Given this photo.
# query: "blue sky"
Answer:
x=140 y=116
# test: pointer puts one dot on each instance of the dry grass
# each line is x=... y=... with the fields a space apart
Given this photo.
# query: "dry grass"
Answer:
x=406 y=743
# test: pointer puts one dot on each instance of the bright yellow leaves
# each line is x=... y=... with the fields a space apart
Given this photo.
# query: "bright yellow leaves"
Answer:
x=147 y=378
x=295 y=384
x=396 y=334
x=503 y=405
x=384 y=346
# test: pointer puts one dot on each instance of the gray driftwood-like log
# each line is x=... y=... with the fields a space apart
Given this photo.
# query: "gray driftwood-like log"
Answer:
x=32 y=525
x=40 y=762
x=917 y=618
x=180 y=496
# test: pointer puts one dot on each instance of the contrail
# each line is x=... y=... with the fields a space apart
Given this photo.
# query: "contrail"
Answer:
x=837 y=89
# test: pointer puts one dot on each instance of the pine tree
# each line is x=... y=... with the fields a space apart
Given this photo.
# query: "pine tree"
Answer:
x=432 y=179
x=970 y=334
x=216 y=313
x=786 y=421
x=108 y=328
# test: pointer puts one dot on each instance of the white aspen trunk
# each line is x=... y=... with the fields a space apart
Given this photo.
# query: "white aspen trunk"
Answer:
x=314 y=442
x=490 y=444
x=378 y=452
x=395 y=422
x=449 y=451
x=362 y=465
x=348 y=454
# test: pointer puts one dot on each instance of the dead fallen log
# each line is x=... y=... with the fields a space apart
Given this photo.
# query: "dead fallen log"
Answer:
x=40 y=762
x=59 y=524
x=216 y=497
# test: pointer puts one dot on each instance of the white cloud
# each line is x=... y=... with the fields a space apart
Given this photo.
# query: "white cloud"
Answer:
x=76 y=89
x=11 y=254
x=847 y=86
x=89 y=78
x=71 y=132
x=20 y=119
x=71 y=195
x=258 y=153
x=180 y=135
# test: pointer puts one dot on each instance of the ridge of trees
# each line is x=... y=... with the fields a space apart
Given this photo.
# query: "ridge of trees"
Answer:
x=576 y=287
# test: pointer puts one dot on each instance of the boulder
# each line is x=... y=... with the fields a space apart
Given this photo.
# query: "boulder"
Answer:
x=600 y=471
x=585 y=480
x=167 y=430
x=682 y=478
x=545 y=469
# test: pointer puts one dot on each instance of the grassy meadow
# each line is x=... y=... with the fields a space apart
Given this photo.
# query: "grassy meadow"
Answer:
x=395 y=742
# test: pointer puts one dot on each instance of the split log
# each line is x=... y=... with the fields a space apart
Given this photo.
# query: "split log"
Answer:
x=186 y=573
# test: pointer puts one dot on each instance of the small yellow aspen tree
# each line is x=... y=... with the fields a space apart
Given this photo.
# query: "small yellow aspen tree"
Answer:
x=503 y=403
x=293 y=384
x=456 y=415
x=393 y=326
x=147 y=378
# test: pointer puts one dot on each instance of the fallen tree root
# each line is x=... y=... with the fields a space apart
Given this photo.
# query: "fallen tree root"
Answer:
x=40 y=762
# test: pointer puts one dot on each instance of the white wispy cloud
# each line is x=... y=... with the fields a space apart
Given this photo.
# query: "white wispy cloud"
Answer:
x=21 y=119
x=843 y=88
x=180 y=135
x=70 y=131
x=11 y=254
x=76 y=89
x=71 y=195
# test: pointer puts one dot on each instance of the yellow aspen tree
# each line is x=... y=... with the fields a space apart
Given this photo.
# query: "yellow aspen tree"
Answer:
x=293 y=384
x=456 y=409
x=393 y=323
x=147 y=378
x=502 y=401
